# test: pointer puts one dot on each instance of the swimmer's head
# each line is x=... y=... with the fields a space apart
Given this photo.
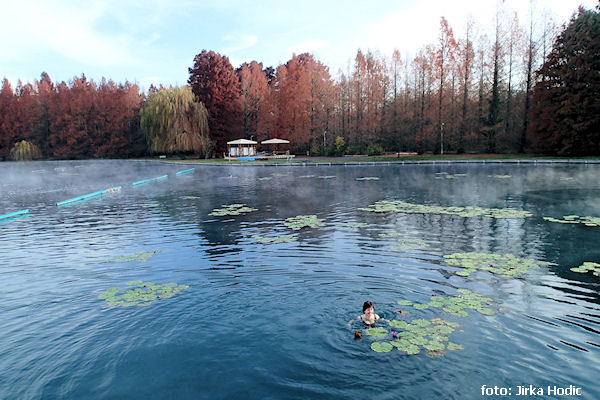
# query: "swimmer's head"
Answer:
x=367 y=305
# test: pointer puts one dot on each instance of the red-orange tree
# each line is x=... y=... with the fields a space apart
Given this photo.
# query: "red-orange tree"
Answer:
x=214 y=82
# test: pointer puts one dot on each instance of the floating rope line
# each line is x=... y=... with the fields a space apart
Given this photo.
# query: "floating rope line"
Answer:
x=185 y=171
x=87 y=196
x=150 y=180
x=14 y=214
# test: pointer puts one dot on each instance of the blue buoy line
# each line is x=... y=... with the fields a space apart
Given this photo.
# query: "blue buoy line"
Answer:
x=87 y=196
x=150 y=180
x=14 y=214
x=185 y=171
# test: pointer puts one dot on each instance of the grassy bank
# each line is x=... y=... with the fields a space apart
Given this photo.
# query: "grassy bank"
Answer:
x=387 y=158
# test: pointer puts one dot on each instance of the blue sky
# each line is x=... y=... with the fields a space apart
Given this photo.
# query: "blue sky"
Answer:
x=155 y=41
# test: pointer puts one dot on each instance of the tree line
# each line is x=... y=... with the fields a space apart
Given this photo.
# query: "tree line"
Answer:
x=528 y=87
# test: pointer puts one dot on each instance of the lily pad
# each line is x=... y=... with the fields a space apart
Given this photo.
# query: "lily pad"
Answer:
x=502 y=264
x=381 y=347
x=231 y=209
x=274 y=239
x=454 y=346
x=377 y=332
x=404 y=302
x=142 y=256
x=303 y=221
x=384 y=206
x=587 y=267
x=575 y=219
x=139 y=293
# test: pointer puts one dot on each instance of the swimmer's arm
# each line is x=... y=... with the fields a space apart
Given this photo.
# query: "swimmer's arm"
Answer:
x=353 y=320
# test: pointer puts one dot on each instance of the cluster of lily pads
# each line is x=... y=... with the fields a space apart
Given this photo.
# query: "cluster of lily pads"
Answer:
x=139 y=293
x=587 y=267
x=383 y=206
x=502 y=264
x=456 y=305
x=231 y=209
x=368 y=178
x=303 y=221
x=273 y=239
x=142 y=256
x=404 y=242
x=576 y=219
x=431 y=335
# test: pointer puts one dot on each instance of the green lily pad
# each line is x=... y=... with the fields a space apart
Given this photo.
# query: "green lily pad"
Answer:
x=404 y=302
x=384 y=206
x=139 y=293
x=502 y=264
x=454 y=346
x=377 y=332
x=433 y=346
x=274 y=239
x=231 y=209
x=575 y=219
x=398 y=324
x=587 y=267
x=381 y=347
x=303 y=221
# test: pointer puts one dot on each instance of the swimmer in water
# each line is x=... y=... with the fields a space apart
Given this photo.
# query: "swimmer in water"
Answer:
x=368 y=317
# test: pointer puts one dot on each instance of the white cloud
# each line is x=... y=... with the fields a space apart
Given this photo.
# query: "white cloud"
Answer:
x=66 y=29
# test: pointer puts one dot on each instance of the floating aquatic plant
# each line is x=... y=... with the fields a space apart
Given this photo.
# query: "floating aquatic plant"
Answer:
x=576 y=219
x=231 y=209
x=468 y=211
x=303 y=221
x=274 y=239
x=368 y=178
x=456 y=305
x=587 y=267
x=502 y=264
x=428 y=334
x=139 y=293
x=381 y=347
x=377 y=332
x=139 y=256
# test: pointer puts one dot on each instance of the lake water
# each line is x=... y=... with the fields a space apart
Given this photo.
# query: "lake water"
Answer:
x=262 y=321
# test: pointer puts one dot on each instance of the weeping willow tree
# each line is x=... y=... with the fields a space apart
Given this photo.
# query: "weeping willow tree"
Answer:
x=25 y=151
x=174 y=122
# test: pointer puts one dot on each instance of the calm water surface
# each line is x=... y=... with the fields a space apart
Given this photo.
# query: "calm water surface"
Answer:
x=270 y=321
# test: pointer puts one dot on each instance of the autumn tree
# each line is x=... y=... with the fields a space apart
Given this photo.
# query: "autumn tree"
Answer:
x=253 y=90
x=565 y=104
x=215 y=83
x=173 y=121
x=445 y=56
x=6 y=100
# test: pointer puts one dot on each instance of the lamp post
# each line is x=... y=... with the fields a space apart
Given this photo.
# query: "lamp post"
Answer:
x=442 y=138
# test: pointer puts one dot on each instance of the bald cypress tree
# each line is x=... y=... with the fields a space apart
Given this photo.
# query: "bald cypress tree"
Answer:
x=565 y=115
